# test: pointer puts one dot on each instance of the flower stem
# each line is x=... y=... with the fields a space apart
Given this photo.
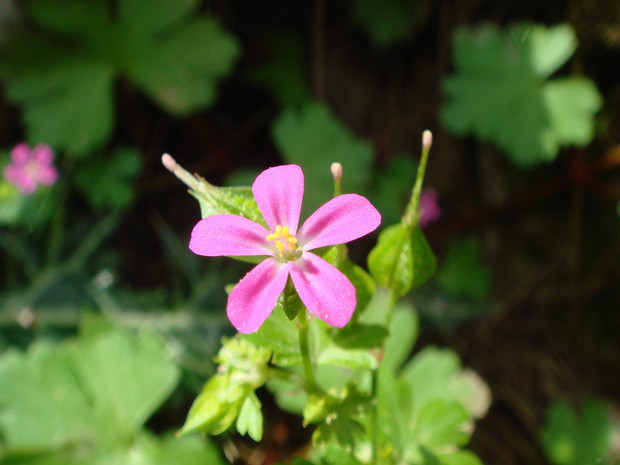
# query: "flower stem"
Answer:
x=412 y=213
x=304 y=348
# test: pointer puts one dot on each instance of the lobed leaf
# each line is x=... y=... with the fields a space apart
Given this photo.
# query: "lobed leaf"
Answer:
x=499 y=91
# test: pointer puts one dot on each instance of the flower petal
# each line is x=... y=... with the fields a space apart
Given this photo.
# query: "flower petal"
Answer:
x=20 y=154
x=324 y=290
x=42 y=154
x=252 y=300
x=342 y=219
x=279 y=192
x=219 y=235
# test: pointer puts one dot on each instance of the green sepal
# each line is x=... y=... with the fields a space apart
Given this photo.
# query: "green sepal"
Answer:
x=216 y=408
x=402 y=259
x=215 y=200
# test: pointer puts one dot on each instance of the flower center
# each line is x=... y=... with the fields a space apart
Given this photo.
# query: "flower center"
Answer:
x=285 y=243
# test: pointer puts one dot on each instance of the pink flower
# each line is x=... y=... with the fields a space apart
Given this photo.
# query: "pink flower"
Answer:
x=429 y=207
x=29 y=168
x=324 y=290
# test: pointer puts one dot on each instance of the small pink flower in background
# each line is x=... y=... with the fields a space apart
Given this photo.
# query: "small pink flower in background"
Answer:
x=29 y=168
x=429 y=207
x=324 y=290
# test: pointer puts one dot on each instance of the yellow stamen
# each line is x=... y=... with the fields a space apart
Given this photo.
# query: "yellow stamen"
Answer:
x=284 y=241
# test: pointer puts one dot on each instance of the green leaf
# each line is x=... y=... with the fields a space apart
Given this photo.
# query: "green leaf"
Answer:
x=182 y=70
x=499 y=91
x=32 y=419
x=313 y=138
x=436 y=374
x=572 y=438
x=461 y=457
x=63 y=71
x=108 y=181
x=360 y=336
x=571 y=102
x=439 y=424
x=91 y=395
x=280 y=336
x=109 y=375
x=348 y=358
x=463 y=274
x=362 y=281
x=402 y=259
x=67 y=105
x=390 y=21
x=250 y=419
x=403 y=333
x=185 y=450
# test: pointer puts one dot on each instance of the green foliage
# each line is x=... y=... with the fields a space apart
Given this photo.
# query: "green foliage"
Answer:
x=62 y=72
x=576 y=438
x=425 y=409
x=462 y=274
x=500 y=91
x=391 y=21
x=86 y=401
x=402 y=259
x=313 y=138
x=228 y=396
x=107 y=181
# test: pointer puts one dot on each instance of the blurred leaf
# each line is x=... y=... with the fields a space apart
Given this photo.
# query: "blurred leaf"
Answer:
x=182 y=69
x=391 y=188
x=463 y=274
x=33 y=211
x=313 y=138
x=348 y=358
x=109 y=375
x=403 y=333
x=499 y=91
x=67 y=103
x=402 y=259
x=390 y=21
x=107 y=182
x=284 y=73
x=461 y=457
x=440 y=424
x=63 y=71
x=360 y=336
x=436 y=374
x=85 y=401
x=576 y=438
